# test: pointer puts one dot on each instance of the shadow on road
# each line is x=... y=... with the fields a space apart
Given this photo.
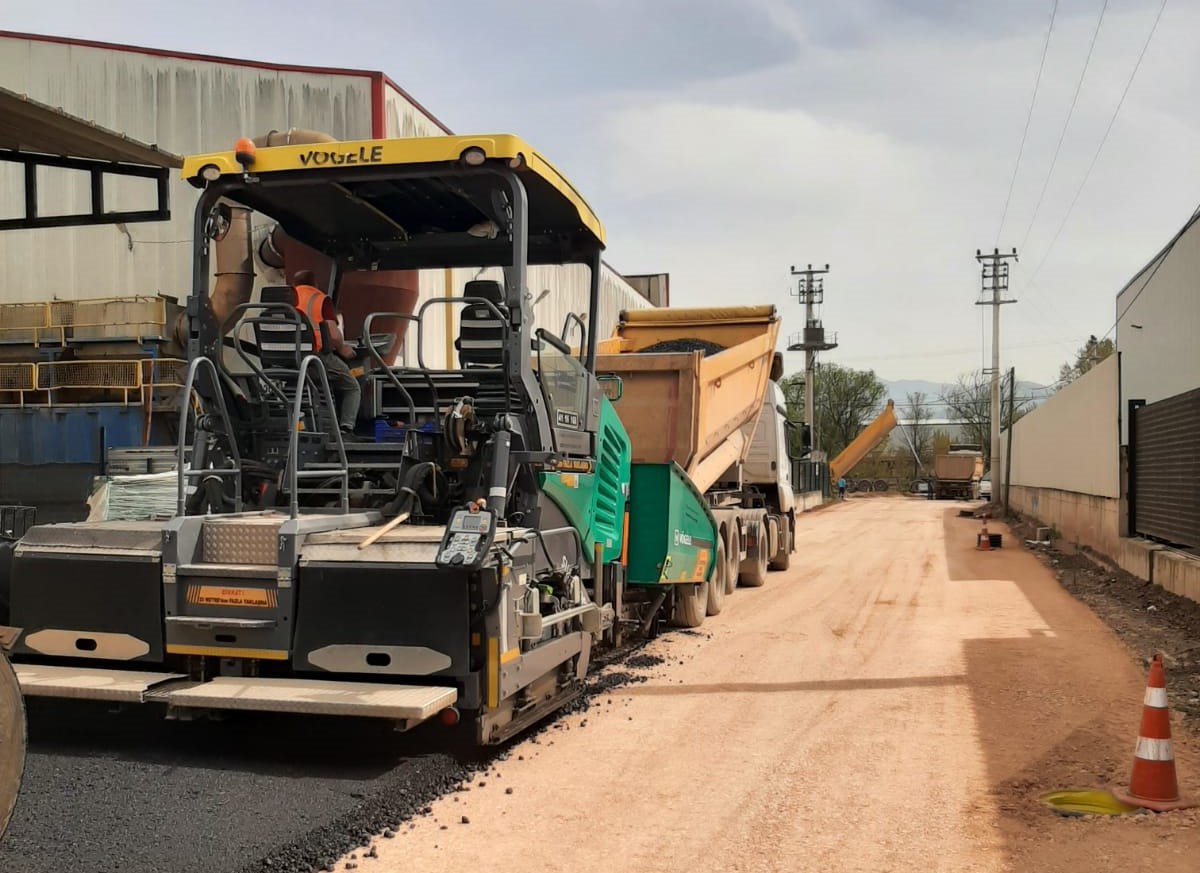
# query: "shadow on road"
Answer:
x=1056 y=707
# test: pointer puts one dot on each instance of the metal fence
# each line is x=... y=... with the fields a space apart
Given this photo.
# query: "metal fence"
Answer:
x=810 y=476
x=121 y=381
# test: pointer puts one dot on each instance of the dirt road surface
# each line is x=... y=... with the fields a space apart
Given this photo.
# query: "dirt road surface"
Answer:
x=896 y=701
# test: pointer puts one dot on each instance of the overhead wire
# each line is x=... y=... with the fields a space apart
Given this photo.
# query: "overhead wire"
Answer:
x=1066 y=125
x=1103 y=139
x=1162 y=259
x=1028 y=118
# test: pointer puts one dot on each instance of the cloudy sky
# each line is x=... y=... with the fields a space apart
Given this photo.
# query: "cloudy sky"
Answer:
x=723 y=141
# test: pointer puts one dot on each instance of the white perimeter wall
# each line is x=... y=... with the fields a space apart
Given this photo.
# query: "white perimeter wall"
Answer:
x=1070 y=442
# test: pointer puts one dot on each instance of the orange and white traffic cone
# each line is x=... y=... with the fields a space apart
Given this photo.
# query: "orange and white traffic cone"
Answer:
x=984 y=544
x=1153 y=784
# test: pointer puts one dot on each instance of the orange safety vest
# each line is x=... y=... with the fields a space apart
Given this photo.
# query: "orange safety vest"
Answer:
x=310 y=302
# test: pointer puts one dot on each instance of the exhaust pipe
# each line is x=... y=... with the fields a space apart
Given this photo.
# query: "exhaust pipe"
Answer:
x=235 y=265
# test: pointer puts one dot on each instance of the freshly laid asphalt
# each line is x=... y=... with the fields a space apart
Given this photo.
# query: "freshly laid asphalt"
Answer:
x=132 y=792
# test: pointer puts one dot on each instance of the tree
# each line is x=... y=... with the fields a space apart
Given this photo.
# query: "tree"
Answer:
x=970 y=404
x=917 y=428
x=1089 y=355
x=846 y=400
x=793 y=395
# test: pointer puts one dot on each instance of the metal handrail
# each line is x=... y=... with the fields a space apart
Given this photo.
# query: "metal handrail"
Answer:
x=459 y=301
x=456 y=301
x=293 y=315
x=583 y=333
x=294 y=474
x=183 y=474
x=370 y=319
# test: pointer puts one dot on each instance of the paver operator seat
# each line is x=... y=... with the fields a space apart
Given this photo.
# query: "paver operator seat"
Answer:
x=480 y=340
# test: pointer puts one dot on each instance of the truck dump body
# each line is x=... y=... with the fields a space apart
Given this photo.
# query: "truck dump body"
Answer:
x=872 y=435
x=958 y=468
x=692 y=383
x=957 y=475
x=690 y=379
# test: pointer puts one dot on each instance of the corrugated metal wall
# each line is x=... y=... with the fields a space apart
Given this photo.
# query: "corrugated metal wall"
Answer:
x=404 y=118
x=184 y=106
x=1069 y=443
x=1165 y=469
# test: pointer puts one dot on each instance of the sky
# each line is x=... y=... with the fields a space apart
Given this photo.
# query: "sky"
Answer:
x=723 y=141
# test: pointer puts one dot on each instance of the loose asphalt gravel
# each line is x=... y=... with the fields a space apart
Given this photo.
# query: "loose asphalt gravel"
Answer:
x=129 y=791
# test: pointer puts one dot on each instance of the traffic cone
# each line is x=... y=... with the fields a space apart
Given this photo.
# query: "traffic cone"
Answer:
x=1153 y=784
x=984 y=543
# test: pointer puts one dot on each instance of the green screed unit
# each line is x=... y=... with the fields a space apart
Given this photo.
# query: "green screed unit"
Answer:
x=672 y=534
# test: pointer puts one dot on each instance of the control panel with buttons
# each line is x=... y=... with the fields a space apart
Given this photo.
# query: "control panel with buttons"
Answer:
x=468 y=537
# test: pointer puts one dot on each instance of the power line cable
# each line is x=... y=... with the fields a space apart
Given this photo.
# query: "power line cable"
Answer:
x=1103 y=139
x=1063 y=135
x=1028 y=118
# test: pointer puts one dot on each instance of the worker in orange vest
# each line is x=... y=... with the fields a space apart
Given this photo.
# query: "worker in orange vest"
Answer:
x=316 y=306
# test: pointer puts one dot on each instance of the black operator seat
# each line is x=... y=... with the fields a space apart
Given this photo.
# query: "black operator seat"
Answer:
x=280 y=345
x=480 y=340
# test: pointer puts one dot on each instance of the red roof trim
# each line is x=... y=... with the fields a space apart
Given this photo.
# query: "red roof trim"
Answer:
x=378 y=79
x=378 y=107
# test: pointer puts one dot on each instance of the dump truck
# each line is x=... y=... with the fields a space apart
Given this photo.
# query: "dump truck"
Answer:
x=870 y=436
x=488 y=525
x=707 y=430
x=956 y=473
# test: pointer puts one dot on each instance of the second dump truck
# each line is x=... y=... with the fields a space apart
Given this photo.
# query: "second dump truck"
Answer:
x=493 y=521
x=956 y=473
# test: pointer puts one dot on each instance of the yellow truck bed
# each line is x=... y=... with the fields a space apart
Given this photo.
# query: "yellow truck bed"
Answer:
x=690 y=380
x=871 y=436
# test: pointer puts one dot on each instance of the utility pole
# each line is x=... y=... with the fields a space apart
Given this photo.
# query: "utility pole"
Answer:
x=1012 y=394
x=810 y=290
x=995 y=279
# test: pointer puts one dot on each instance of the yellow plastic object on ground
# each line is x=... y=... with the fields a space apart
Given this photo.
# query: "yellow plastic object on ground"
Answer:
x=1087 y=802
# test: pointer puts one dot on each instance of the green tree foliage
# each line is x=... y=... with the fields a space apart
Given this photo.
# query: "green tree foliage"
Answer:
x=793 y=393
x=846 y=400
x=1089 y=355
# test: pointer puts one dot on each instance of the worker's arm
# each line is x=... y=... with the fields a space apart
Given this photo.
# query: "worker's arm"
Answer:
x=337 y=343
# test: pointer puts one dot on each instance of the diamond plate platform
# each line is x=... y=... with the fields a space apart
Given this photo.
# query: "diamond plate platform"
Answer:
x=88 y=683
x=317 y=697
x=241 y=540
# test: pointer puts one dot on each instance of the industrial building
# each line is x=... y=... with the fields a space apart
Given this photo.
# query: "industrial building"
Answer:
x=1112 y=460
x=1157 y=314
x=136 y=274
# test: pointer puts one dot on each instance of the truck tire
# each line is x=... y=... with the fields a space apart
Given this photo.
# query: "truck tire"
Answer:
x=755 y=574
x=783 y=558
x=691 y=603
x=717 y=584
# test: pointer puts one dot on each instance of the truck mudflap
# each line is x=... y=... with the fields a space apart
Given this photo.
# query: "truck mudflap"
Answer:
x=410 y=704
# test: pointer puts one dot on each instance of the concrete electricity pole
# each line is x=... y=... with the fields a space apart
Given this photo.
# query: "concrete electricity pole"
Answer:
x=811 y=292
x=995 y=279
